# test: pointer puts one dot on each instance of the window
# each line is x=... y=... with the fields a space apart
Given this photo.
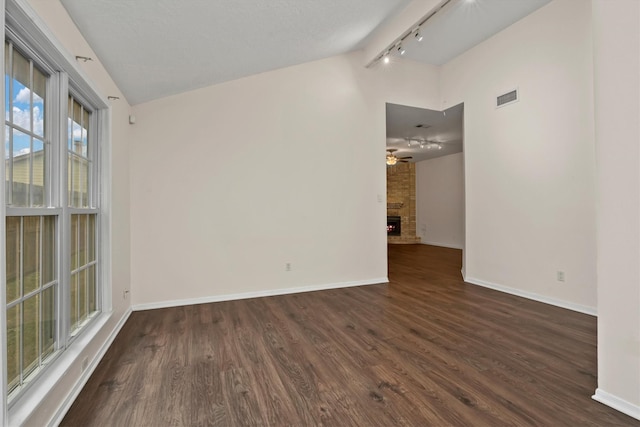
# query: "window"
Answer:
x=83 y=270
x=31 y=296
x=31 y=287
x=80 y=170
x=25 y=93
x=52 y=218
x=79 y=164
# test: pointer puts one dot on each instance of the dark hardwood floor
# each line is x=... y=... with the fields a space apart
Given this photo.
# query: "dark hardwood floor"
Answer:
x=424 y=350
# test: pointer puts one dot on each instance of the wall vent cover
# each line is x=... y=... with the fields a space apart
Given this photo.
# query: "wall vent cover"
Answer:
x=507 y=98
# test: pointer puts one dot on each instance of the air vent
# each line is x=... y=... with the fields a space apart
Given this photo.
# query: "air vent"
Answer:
x=507 y=98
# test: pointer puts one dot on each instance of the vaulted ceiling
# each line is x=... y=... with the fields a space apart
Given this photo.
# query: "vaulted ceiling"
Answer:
x=157 y=48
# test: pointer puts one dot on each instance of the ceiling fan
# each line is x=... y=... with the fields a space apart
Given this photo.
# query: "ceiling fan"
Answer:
x=392 y=159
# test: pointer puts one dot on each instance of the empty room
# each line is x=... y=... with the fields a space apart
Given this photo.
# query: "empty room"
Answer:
x=357 y=212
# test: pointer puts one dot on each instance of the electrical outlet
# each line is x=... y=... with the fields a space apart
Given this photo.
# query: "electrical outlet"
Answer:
x=287 y=267
x=125 y=294
x=560 y=276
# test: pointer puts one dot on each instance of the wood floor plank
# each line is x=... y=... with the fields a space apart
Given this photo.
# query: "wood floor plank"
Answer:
x=426 y=349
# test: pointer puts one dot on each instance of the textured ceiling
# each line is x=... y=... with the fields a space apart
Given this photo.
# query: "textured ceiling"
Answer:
x=437 y=126
x=156 y=48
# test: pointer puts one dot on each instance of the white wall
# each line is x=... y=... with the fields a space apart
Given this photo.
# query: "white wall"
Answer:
x=233 y=181
x=230 y=182
x=56 y=19
x=440 y=201
x=617 y=113
x=529 y=166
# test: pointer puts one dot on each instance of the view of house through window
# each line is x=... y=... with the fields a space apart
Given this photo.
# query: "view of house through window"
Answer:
x=25 y=88
x=51 y=223
x=83 y=226
x=79 y=163
x=31 y=295
x=83 y=269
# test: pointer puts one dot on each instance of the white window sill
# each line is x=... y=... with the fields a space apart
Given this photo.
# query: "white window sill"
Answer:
x=25 y=404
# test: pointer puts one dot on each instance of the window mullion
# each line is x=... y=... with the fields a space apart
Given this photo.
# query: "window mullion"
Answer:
x=51 y=155
x=103 y=204
x=10 y=114
x=4 y=195
x=40 y=299
x=21 y=305
x=31 y=129
x=59 y=145
x=91 y=155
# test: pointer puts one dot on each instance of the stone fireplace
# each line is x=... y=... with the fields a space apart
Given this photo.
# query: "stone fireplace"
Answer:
x=401 y=202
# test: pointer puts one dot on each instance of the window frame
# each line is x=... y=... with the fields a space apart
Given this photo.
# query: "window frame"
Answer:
x=57 y=178
x=25 y=380
x=93 y=185
x=51 y=207
x=27 y=53
x=22 y=23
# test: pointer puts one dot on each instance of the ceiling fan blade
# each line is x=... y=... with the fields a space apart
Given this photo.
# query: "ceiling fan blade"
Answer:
x=404 y=161
x=391 y=150
x=402 y=158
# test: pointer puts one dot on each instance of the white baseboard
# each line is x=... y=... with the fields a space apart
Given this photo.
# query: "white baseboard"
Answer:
x=442 y=245
x=77 y=388
x=617 y=403
x=533 y=296
x=255 y=294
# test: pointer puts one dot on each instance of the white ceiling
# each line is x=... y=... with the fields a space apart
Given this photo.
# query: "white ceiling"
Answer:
x=156 y=48
x=436 y=126
x=462 y=24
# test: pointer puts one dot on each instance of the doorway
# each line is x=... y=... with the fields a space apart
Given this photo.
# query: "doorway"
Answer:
x=425 y=175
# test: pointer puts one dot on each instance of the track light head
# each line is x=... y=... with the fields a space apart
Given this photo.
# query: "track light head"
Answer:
x=401 y=50
x=418 y=36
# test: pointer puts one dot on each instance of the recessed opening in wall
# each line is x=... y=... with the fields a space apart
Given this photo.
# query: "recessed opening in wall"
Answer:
x=425 y=179
x=394 y=226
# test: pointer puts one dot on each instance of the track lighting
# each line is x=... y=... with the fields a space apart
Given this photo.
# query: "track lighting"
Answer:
x=415 y=30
